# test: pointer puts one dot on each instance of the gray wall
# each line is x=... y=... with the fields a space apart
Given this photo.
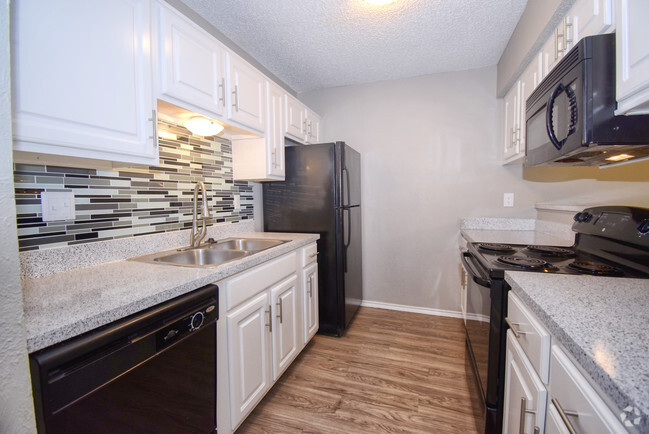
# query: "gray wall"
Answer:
x=431 y=155
x=16 y=405
x=532 y=31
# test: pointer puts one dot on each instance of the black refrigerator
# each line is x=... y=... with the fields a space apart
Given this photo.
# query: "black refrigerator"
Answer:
x=321 y=194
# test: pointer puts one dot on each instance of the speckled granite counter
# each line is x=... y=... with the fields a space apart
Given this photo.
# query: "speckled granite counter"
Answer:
x=62 y=305
x=603 y=322
x=515 y=231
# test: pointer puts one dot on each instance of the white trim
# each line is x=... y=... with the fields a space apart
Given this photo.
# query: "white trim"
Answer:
x=413 y=309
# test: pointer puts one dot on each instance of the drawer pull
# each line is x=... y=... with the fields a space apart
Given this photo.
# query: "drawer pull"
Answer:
x=564 y=416
x=517 y=333
x=313 y=255
x=525 y=412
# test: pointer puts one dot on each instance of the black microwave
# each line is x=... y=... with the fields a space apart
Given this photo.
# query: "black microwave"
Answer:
x=570 y=117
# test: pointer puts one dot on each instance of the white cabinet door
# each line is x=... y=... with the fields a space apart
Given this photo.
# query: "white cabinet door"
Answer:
x=247 y=94
x=528 y=82
x=275 y=131
x=632 y=51
x=511 y=149
x=591 y=17
x=571 y=393
x=191 y=64
x=310 y=300
x=525 y=394
x=284 y=303
x=248 y=331
x=312 y=127
x=82 y=80
x=295 y=119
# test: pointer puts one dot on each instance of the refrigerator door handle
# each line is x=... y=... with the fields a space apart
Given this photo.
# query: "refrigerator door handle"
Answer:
x=346 y=174
x=347 y=240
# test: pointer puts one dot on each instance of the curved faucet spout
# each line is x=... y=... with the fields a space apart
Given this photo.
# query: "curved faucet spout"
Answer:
x=196 y=236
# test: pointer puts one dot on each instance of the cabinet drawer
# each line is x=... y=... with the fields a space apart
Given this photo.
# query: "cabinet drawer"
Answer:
x=247 y=284
x=574 y=395
x=531 y=335
x=309 y=254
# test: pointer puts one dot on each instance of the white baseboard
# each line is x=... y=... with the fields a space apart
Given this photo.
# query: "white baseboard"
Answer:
x=412 y=309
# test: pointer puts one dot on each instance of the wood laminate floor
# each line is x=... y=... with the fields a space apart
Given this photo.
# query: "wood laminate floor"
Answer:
x=392 y=372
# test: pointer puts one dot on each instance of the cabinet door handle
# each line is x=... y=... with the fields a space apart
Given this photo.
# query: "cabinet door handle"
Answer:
x=304 y=126
x=517 y=333
x=222 y=87
x=281 y=311
x=564 y=416
x=524 y=413
x=235 y=94
x=270 y=319
x=313 y=255
x=154 y=122
x=310 y=290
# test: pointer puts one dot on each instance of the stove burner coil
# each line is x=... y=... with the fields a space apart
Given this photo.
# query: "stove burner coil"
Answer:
x=595 y=268
x=529 y=263
x=551 y=250
x=495 y=247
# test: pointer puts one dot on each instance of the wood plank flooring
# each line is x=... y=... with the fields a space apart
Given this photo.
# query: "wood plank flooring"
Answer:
x=393 y=372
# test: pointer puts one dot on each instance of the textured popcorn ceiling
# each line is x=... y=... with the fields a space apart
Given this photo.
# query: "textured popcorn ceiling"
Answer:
x=315 y=44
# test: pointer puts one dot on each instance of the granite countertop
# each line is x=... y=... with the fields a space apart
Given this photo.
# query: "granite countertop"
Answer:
x=603 y=323
x=66 y=304
x=515 y=231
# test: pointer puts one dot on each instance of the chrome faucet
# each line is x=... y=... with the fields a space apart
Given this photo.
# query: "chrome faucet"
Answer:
x=196 y=236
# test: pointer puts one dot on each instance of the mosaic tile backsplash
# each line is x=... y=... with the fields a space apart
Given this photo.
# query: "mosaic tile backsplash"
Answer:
x=127 y=202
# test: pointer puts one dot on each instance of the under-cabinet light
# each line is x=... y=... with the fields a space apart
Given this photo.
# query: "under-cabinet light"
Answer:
x=619 y=157
x=203 y=126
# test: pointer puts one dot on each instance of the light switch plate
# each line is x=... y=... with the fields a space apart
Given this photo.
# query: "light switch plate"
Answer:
x=508 y=199
x=237 y=202
x=57 y=205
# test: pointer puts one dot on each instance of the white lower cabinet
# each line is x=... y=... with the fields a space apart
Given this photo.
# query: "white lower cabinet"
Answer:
x=583 y=409
x=310 y=297
x=266 y=313
x=525 y=393
x=573 y=405
x=284 y=332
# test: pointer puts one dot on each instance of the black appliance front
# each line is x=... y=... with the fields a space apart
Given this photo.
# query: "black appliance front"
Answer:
x=570 y=117
x=486 y=305
x=153 y=372
x=321 y=194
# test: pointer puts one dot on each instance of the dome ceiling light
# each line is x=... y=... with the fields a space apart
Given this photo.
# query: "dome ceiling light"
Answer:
x=203 y=126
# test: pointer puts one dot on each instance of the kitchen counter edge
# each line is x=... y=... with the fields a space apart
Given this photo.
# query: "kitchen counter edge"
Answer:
x=63 y=305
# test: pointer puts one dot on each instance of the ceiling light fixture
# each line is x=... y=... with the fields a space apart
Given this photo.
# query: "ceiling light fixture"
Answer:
x=379 y=2
x=203 y=126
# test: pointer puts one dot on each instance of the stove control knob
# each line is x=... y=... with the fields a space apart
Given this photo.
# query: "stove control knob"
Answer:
x=583 y=217
x=644 y=227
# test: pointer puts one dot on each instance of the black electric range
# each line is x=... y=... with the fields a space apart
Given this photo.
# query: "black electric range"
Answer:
x=609 y=241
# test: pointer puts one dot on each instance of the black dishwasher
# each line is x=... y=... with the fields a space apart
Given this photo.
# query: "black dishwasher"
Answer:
x=152 y=372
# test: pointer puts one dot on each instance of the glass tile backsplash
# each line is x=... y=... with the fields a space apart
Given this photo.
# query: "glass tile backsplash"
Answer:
x=132 y=201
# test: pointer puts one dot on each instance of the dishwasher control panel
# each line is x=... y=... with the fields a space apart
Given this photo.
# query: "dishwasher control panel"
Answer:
x=187 y=324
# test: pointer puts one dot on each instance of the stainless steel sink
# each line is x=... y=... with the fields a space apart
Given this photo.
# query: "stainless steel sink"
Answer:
x=211 y=254
x=201 y=257
x=247 y=244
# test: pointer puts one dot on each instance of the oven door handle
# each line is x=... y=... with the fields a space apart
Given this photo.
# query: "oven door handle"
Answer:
x=471 y=270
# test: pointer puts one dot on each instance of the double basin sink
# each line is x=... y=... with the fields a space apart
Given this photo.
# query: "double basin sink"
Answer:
x=211 y=254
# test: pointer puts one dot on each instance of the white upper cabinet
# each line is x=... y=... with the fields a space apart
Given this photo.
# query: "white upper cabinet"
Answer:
x=632 y=52
x=312 y=127
x=512 y=148
x=191 y=65
x=262 y=159
x=295 y=118
x=247 y=91
x=81 y=75
x=591 y=17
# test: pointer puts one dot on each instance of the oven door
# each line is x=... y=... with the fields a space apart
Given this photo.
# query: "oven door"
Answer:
x=478 y=301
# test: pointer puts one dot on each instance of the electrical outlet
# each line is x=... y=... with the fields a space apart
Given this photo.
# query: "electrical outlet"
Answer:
x=57 y=205
x=237 y=202
x=508 y=199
